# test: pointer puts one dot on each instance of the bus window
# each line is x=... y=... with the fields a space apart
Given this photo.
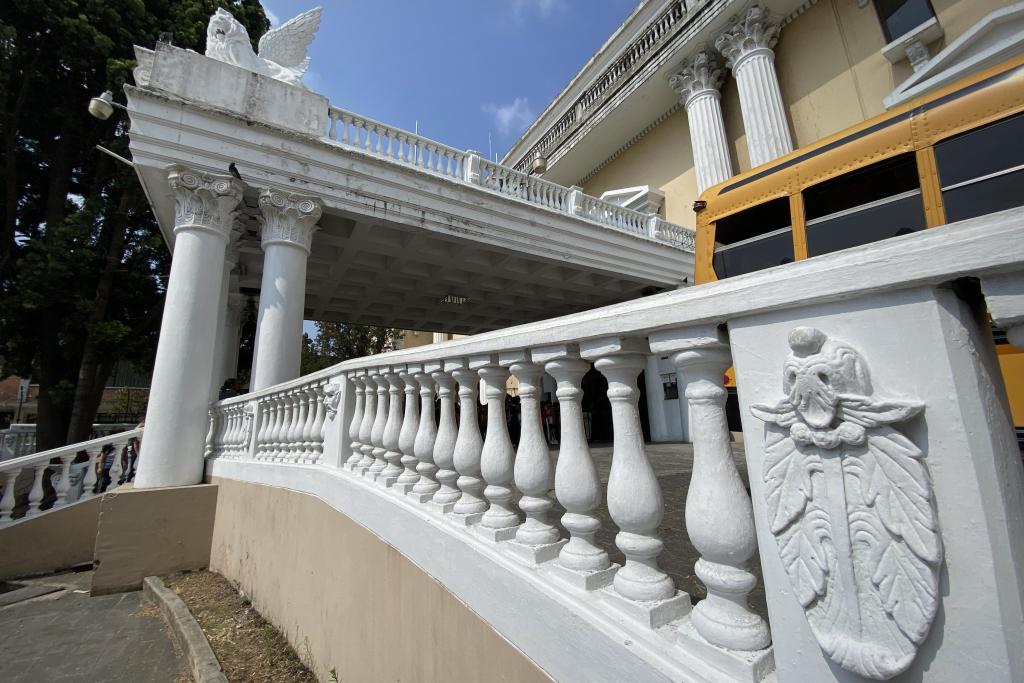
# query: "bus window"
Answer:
x=982 y=171
x=870 y=204
x=754 y=239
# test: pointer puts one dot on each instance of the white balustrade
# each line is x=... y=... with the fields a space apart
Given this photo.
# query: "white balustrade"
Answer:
x=70 y=482
x=410 y=426
x=468 y=444
x=497 y=456
x=366 y=426
x=380 y=418
x=357 y=417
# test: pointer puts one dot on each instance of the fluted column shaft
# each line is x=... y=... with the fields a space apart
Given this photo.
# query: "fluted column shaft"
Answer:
x=177 y=413
x=444 y=444
x=426 y=434
x=719 y=517
x=497 y=458
x=634 y=494
x=469 y=442
x=747 y=46
x=698 y=84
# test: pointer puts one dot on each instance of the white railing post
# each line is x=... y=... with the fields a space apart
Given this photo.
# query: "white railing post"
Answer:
x=575 y=203
x=577 y=487
x=359 y=391
x=89 y=482
x=444 y=445
x=64 y=482
x=471 y=167
x=470 y=507
x=651 y=225
x=35 y=496
x=634 y=494
x=7 y=501
x=392 y=429
x=380 y=418
x=497 y=457
x=719 y=517
x=407 y=435
x=426 y=433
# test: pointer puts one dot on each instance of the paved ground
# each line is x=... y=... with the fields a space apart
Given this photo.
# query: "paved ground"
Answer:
x=69 y=637
x=673 y=465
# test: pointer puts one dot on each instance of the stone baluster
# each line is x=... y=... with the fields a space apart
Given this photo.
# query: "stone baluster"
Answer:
x=296 y=424
x=537 y=540
x=64 y=483
x=497 y=457
x=698 y=85
x=319 y=421
x=310 y=400
x=392 y=430
x=471 y=506
x=380 y=420
x=276 y=442
x=357 y=418
x=263 y=433
x=444 y=445
x=366 y=426
x=7 y=501
x=747 y=46
x=719 y=516
x=89 y=481
x=634 y=494
x=407 y=435
x=284 y=431
x=577 y=485
x=426 y=434
x=35 y=496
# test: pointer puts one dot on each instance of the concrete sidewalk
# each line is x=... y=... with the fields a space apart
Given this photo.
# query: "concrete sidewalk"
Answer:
x=67 y=636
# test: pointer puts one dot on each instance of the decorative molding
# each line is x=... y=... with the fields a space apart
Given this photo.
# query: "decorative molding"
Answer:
x=288 y=218
x=632 y=141
x=754 y=31
x=850 y=503
x=791 y=17
x=332 y=399
x=204 y=201
x=700 y=75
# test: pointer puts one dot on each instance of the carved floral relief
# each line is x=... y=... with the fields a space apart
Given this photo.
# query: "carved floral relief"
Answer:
x=851 y=506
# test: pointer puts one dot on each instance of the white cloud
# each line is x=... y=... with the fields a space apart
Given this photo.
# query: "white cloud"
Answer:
x=510 y=118
x=543 y=8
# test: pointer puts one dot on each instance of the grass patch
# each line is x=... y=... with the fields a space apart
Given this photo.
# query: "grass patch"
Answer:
x=249 y=648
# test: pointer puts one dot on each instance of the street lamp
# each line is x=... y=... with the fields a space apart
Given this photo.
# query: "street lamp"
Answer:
x=103 y=106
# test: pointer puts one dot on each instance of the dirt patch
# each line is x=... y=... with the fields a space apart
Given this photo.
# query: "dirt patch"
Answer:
x=249 y=648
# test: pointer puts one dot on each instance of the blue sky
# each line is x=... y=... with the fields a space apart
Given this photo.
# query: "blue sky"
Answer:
x=462 y=68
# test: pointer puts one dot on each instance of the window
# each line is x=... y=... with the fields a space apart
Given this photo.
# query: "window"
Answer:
x=982 y=171
x=759 y=237
x=900 y=17
x=870 y=204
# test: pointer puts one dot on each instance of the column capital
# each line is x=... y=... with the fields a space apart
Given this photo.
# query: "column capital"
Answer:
x=702 y=74
x=754 y=31
x=204 y=201
x=288 y=218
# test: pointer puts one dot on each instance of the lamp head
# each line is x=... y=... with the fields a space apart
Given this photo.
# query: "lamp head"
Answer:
x=103 y=106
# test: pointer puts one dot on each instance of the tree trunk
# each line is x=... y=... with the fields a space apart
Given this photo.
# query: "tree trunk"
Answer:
x=87 y=394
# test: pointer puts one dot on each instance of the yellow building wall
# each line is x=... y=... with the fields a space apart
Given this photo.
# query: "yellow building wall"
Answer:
x=832 y=74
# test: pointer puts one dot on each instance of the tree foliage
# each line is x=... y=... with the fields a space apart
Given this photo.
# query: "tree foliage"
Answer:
x=82 y=264
x=336 y=342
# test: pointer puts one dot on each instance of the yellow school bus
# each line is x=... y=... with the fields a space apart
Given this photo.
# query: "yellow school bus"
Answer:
x=953 y=154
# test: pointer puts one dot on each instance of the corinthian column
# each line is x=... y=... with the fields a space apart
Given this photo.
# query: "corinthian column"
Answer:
x=698 y=84
x=176 y=418
x=287 y=228
x=747 y=47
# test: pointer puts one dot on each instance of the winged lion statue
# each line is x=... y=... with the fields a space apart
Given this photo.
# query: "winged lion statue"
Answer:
x=282 y=51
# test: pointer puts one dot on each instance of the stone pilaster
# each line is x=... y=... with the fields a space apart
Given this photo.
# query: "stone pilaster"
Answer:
x=287 y=226
x=176 y=417
x=698 y=84
x=747 y=47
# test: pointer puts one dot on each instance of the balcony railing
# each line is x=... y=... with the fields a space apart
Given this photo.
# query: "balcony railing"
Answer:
x=70 y=481
x=415 y=151
x=804 y=339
